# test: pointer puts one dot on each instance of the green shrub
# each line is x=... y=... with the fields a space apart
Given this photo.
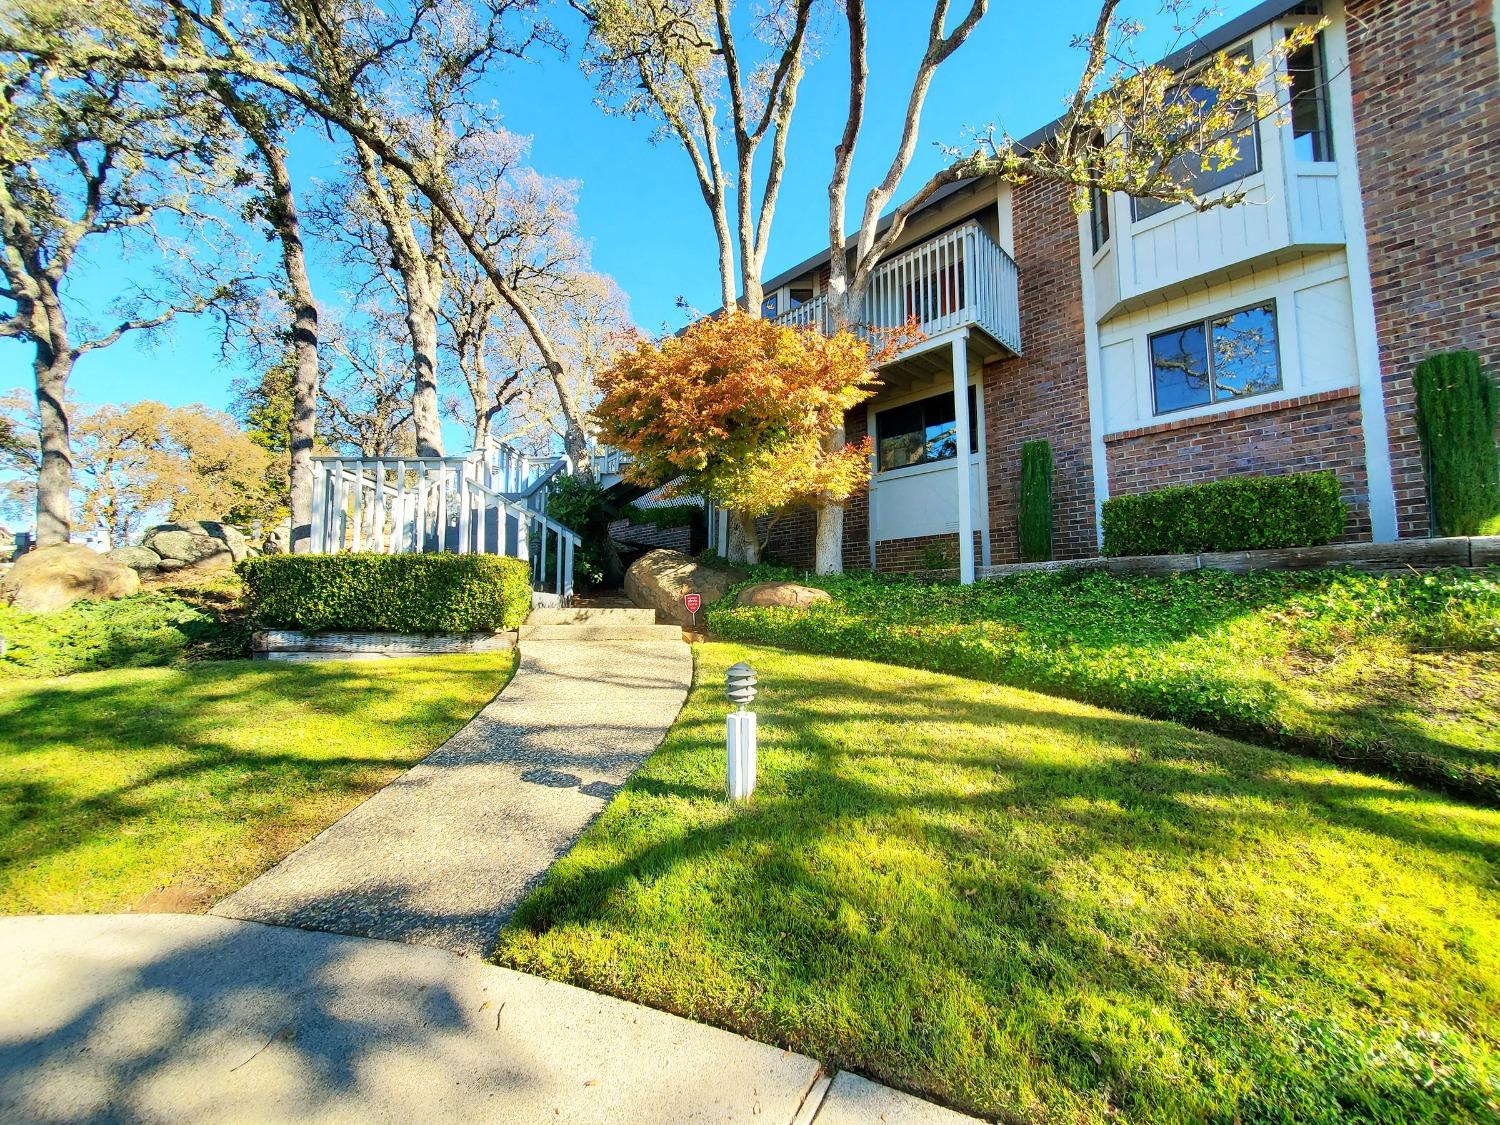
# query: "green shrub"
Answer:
x=1034 y=519
x=139 y=631
x=1235 y=514
x=580 y=505
x=1457 y=406
x=668 y=515
x=427 y=593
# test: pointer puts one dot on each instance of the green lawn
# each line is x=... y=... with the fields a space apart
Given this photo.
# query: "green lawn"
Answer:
x=165 y=788
x=1396 y=674
x=1035 y=909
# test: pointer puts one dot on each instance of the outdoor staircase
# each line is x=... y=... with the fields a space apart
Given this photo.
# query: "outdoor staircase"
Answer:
x=587 y=623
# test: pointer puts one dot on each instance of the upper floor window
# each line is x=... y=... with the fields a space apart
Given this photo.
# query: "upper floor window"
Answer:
x=1188 y=168
x=1099 y=218
x=770 y=307
x=921 y=432
x=1312 y=138
x=1215 y=360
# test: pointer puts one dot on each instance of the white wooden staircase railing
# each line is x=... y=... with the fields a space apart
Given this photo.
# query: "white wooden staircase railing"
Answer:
x=492 y=501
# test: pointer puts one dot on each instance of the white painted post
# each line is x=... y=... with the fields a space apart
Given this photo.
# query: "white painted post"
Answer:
x=320 y=501
x=961 y=417
x=442 y=506
x=739 y=735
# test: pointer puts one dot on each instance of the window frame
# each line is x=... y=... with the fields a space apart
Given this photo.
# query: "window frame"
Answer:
x=1322 y=89
x=975 y=431
x=1207 y=323
x=1099 y=227
x=1251 y=167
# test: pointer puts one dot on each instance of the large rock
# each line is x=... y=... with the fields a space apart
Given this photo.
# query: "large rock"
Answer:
x=659 y=579
x=278 y=540
x=53 y=578
x=789 y=594
x=142 y=560
x=202 y=545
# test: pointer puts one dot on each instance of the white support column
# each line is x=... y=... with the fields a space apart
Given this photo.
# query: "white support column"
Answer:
x=961 y=437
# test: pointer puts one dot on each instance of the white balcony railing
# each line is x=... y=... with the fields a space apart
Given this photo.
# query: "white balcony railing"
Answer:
x=492 y=501
x=958 y=279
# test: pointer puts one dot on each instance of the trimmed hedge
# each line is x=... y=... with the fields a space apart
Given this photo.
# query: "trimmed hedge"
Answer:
x=1235 y=514
x=1034 y=517
x=1457 y=406
x=427 y=593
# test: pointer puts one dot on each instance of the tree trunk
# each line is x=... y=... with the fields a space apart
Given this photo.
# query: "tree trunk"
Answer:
x=421 y=322
x=54 y=521
x=744 y=539
x=284 y=220
x=828 y=543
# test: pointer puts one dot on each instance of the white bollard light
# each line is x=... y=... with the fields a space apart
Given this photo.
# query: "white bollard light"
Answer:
x=739 y=733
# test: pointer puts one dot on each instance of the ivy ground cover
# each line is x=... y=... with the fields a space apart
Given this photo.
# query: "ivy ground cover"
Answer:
x=1397 y=674
x=1040 y=911
x=166 y=788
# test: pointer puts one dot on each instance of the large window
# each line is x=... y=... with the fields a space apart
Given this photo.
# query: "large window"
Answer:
x=1312 y=138
x=1216 y=360
x=1188 y=168
x=921 y=432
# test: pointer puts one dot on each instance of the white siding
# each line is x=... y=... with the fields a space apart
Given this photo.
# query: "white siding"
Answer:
x=1315 y=336
x=924 y=501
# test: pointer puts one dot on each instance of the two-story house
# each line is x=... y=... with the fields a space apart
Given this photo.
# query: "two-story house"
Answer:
x=1155 y=345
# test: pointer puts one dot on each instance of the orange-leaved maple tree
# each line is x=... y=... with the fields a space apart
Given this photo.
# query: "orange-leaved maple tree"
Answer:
x=733 y=410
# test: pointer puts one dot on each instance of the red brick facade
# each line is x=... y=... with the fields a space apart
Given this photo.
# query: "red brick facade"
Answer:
x=1426 y=82
x=1319 y=431
x=919 y=553
x=1043 y=394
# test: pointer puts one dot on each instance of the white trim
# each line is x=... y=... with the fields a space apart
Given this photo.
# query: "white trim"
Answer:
x=1373 y=423
x=1098 y=451
x=960 y=357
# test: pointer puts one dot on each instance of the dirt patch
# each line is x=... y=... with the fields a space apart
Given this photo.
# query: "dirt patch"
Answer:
x=190 y=895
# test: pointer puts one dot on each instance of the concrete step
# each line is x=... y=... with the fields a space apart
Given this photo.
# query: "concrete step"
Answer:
x=578 y=633
x=592 y=615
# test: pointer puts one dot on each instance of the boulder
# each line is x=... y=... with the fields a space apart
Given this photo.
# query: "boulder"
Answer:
x=278 y=540
x=658 y=580
x=53 y=578
x=202 y=545
x=789 y=594
x=142 y=560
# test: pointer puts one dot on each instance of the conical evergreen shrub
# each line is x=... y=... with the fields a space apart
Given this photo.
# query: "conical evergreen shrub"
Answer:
x=1457 y=405
x=1034 y=519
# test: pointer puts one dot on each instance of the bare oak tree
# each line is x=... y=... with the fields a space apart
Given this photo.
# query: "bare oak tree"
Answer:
x=89 y=155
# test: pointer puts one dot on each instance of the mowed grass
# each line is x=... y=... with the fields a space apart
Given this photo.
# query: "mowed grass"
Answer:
x=1037 y=910
x=165 y=788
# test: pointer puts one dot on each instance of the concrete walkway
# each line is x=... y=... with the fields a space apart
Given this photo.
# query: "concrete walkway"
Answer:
x=442 y=855
x=183 y=1018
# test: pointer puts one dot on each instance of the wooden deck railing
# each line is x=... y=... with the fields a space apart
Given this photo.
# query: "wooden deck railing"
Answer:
x=491 y=502
x=956 y=279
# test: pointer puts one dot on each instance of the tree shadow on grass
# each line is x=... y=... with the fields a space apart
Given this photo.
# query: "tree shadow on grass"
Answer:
x=948 y=892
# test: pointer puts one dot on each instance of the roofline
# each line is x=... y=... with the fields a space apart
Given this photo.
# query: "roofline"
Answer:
x=1217 y=39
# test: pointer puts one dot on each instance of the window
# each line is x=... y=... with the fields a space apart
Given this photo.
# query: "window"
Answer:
x=1312 y=138
x=768 y=307
x=1216 y=360
x=798 y=297
x=921 y=432
x=1188 y=168
x=1099 y=218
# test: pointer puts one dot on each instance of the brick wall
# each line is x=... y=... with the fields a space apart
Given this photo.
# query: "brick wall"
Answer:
x=1319 y=431
x=921 y=552
x=1426 y=87
x=1043 y=394
x=792 y=540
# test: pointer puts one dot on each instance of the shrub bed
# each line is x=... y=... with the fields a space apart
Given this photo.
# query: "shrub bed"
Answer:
x=1236 y=514
x=1388 y=672
x=134 y=632
x=427 y=593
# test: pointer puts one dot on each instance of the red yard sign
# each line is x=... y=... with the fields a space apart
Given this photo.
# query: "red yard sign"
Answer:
x=693 y=602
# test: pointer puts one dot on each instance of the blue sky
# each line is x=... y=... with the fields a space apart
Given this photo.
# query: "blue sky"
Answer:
x=638 y=203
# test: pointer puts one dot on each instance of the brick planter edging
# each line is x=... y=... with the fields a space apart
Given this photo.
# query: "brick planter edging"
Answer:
x=290 y=644
x=1375 y=558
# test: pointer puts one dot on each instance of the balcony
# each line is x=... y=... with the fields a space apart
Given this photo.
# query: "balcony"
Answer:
x=961 y=278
